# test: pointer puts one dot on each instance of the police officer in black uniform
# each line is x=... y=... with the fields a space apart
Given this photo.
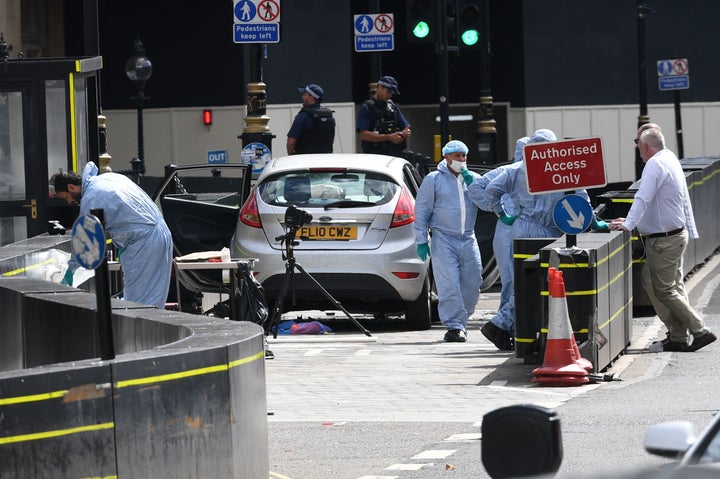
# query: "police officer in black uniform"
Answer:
x=313 y=130
x=382 y=127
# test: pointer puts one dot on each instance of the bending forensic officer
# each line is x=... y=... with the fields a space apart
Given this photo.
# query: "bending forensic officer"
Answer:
x=135 y=225
x=534 y=219
x=443 y=206
x=504 y=319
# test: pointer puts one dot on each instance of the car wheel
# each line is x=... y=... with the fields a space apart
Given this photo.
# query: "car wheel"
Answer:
x=491 y=274
x=418 y=313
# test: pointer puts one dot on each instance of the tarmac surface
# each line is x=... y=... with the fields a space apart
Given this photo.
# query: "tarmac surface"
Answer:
x=397 y=375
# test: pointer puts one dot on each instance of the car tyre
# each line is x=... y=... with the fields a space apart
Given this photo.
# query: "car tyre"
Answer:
x=418 y=313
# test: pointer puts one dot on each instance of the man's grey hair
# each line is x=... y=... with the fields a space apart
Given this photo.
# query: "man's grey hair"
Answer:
x=654 y=138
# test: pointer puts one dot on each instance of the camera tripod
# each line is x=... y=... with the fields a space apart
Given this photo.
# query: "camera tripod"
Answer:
x=290 y=266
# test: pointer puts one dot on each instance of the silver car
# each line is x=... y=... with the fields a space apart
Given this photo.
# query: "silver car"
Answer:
x=359 y=244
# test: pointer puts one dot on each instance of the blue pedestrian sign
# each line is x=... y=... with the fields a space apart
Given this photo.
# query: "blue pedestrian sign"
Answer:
x=217 y=157
x=676 y=82
x=256 y=21
x=673 y=74
x=88 y=241
x=374 y=32
x=374 y=43
x=254 y=33
x=572 y=214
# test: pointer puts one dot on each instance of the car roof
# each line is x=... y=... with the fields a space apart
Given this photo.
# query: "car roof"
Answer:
x=378 y=163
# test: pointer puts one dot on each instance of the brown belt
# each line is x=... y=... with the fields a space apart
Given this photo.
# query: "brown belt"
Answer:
x=665 y=235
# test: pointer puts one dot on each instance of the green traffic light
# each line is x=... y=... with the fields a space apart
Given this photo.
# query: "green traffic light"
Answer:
x=421 y=30
x=470 y=37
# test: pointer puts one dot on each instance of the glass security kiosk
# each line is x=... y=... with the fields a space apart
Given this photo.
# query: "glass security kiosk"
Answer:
x=48 y=122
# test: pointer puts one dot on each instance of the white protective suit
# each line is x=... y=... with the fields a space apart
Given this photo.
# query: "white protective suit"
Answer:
x=443 y=205
x=534 y=212
x=137 y=229
x=502 y=241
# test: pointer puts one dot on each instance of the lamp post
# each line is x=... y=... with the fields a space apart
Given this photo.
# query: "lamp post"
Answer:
x=486 y=136
x=138 y=70
x=642 y=12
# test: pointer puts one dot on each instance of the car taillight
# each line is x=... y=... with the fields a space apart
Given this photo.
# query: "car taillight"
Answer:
x=405 y=275
x=249 y=214
x=404 y=213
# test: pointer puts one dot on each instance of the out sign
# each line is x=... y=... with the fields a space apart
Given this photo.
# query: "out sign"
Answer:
x=217 y=157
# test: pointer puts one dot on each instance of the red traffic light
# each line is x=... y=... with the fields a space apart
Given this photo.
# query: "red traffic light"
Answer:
x=207 y=117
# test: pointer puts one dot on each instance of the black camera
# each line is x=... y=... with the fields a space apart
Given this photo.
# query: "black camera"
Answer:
x=295 y=218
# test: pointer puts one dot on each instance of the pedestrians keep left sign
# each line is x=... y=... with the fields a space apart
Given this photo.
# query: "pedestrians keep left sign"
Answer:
x=256 y=21
x=673 y=74
x=217 y=157
x=374 y=32
x=572 y=214
x=88 y=241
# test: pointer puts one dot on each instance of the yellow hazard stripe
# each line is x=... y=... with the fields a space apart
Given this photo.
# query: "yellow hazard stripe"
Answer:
x=523 y=255
x=249 y=359
x=617 y=313
x=190 y=373
x=73 y=120
x=587 y=265
x=55 y=433
x=32 y=398
x=120 y=384
x=27 y=268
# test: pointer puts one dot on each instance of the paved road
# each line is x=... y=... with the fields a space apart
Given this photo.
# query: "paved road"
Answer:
x=399 y=404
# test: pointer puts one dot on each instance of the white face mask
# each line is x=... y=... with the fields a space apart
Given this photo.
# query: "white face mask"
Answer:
x=456 y=166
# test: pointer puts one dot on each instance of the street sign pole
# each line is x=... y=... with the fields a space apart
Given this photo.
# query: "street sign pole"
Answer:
x=678 y=123
x=674 y=74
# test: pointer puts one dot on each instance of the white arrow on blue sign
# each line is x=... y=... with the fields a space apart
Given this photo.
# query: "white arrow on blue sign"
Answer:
x=88 y=241
x=572 y=214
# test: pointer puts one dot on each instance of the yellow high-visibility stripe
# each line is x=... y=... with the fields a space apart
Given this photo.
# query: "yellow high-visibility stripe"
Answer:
x=32 y=398
x=172 y=376
x=249 y=359
x=190 y=373
x=27 y=268
x=56 y=433
x=73 y=120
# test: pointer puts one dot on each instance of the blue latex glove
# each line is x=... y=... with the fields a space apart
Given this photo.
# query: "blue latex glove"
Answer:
x=68 y=278
x=468 y=177
x=507 y=219
x=423 y=251
x=599 y=225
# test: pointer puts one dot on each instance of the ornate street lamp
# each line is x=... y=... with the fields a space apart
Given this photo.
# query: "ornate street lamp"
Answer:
x=139 y=69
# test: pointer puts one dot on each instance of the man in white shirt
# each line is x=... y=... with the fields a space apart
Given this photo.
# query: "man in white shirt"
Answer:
x=662 y=214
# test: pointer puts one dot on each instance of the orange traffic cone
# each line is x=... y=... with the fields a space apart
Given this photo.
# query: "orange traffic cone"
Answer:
x=562 y=365
x=560 y=302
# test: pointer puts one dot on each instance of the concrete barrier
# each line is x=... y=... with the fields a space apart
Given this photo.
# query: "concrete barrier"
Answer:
x=185 y=396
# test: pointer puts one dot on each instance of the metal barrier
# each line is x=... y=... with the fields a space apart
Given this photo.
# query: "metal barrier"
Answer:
x=703 y=180
x=599 y=296
x=185 y=396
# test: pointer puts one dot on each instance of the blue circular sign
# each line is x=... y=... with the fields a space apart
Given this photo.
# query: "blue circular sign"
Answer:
x=257 y=155
x=572 y=214
x=245 y=11
x=88 y=241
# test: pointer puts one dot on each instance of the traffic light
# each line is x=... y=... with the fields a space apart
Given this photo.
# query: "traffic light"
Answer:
x=420 y=21
x=469 y=22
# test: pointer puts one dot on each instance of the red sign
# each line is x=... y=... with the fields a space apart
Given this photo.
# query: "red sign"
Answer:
x=564 y=165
